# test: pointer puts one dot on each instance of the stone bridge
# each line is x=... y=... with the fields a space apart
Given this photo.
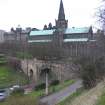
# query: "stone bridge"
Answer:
x=59 y=70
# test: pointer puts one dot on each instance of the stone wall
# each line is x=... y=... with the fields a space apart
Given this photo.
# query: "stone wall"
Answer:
x=60 y=70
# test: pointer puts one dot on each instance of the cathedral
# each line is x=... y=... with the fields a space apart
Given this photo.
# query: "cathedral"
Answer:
x=70 y=41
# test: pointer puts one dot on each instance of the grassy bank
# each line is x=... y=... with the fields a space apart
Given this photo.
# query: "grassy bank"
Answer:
x=89 y=97
x=20 y=100
x=53 y=89
x=94 y=96
x=69 y=99
x=32 y=98
x=10 y=77
x=101 y=100
x=61 y=86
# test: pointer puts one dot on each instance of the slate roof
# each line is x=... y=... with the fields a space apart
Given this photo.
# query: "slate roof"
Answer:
x=67 y=31
x=77 y=30
x=41 y=32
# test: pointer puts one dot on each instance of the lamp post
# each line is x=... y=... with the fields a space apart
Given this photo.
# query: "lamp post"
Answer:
x=27 y=57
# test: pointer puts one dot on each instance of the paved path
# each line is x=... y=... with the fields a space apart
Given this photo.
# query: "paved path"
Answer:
x=57 y=97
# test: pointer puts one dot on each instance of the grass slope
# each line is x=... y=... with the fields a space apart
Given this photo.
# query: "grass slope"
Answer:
x=20 y=100
x=52 y=89
x=10 y=77
x=32 y=98
x=89 y=97
x=61 y=86
x=93 y=96
x=69 y=99
x=101 y=100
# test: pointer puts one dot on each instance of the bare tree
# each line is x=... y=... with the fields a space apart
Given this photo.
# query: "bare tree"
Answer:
x=101 y=14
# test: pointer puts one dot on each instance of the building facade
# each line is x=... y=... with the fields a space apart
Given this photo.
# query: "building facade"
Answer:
x=17 y=34
x=70 y=41
x=2 y=36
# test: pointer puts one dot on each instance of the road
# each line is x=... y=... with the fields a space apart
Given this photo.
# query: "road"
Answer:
x=59 y=96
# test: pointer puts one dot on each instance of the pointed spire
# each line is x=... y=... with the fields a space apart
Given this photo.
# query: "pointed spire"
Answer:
x=61 y=15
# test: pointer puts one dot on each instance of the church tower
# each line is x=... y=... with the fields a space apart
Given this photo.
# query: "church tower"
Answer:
x=61 y=22
x=61 y=25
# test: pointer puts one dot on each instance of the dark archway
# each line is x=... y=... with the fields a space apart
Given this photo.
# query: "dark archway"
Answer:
x=45 y=72
x=31 y=73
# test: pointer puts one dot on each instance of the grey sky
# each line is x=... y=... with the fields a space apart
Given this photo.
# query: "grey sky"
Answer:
x=36 y=13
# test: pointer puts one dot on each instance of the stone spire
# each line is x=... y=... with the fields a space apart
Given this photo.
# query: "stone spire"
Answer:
x=61 y=15
x=61 y=22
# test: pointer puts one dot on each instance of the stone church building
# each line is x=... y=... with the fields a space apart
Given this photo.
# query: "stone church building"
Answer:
x=71 y=41
x=55 y=41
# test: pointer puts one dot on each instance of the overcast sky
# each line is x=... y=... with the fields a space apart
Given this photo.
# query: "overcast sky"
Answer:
x=36 y=13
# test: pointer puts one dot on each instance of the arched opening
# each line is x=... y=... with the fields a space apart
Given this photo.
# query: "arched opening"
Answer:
x=45 y=72
x=31 y=73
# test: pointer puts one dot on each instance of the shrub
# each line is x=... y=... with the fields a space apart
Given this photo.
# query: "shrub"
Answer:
x=18 y=91
x=54 y=82
x=14 y=63
x=40 y=86
x=88 y=72
x=88 y=76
